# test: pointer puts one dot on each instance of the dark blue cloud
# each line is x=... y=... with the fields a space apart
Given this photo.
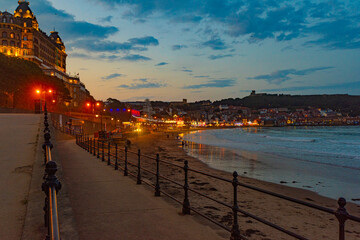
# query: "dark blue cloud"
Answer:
x=106 y=19
x=202 y=76
x=214 y=57
x=144 y=83
x=333 y=23
x=213 y=84
x=105 y=46
x=178 y=47
x=215 y=44
x=134 y=44
x=186 y=70
x=280 y=76
x=161 y=64
x=144 y=41
x=65 y=23
x=112 y=76
x=135 y=58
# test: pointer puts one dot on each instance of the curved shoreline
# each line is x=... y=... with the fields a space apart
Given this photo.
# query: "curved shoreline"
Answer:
x=284 y=213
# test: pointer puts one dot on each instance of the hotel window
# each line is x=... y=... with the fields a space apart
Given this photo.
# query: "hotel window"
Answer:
x=4 y=20
x=11 y=20
x=12 y=43
x=12 y=35
x=25 y=46
x=4 y=43
x=25 y=25
x=4 y=34
x=25 y=38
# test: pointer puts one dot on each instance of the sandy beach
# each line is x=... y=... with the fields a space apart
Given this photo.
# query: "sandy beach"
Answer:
x=307 y=222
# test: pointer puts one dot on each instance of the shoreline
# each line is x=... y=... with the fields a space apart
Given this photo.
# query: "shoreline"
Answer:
x=292 y=216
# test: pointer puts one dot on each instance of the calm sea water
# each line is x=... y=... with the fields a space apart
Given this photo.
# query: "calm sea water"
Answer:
x=322 y=159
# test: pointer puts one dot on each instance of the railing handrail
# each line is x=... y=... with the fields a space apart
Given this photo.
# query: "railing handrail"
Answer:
x=50 y=186
x=340 y=213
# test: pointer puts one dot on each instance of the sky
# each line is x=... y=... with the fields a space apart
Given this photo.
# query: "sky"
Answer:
x=168 y=50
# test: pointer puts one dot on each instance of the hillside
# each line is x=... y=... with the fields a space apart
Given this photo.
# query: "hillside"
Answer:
x=19 y=80
x=343 y=103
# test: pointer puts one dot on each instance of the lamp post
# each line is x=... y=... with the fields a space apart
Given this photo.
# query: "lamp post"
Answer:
x=43 y=93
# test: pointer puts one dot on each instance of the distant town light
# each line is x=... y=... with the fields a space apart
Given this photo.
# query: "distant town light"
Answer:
x=38 y=91
x=50 y=91
x=97 y=104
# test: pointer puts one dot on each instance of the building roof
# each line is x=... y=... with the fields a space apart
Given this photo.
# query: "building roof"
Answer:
x=23 y=10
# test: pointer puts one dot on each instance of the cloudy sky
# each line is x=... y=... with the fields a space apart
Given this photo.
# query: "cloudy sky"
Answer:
x=206 y=49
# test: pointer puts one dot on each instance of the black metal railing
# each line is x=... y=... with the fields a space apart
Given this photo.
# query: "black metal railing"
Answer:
x=64 y=128
x=50 y=186
x=129 y=158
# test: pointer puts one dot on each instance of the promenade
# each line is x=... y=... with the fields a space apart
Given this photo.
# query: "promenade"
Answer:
x=107 y=205
x=18 y=147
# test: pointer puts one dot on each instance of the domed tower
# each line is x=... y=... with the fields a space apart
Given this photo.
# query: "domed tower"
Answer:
x=60 y=54
x=24 y=11
x=56 y=38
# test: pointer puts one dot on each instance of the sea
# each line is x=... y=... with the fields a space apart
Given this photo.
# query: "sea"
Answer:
x=323 y=159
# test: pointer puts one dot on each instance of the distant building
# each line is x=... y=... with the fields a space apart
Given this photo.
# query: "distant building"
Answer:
x=20 y=36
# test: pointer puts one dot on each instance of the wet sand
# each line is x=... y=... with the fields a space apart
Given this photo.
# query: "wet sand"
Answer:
x=307 y=222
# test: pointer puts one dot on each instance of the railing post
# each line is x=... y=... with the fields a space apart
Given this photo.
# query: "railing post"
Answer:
x=94 y=145
x=108 y=163
x=139 y=169
x=102 y=151
x=90 y=146
x=125 y=167
x=116 y=157
x=186 y=203
x=98 y=149
x=51 y=181
x=157 y=185
x=235 y=232
x=341 y=214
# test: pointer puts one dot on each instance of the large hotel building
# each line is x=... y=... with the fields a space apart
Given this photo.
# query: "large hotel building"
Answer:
x=20 y=36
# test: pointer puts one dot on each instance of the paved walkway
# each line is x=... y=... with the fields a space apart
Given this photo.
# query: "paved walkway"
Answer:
x=107 y=205
x=19 y=137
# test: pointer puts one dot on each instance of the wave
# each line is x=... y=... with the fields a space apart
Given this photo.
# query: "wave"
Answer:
x=345 y=142
x=291 y=139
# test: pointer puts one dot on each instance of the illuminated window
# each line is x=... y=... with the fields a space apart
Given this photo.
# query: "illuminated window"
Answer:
x=25 y=25
x=12 y=35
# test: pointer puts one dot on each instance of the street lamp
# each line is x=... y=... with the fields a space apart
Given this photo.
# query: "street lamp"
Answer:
x=43 y=92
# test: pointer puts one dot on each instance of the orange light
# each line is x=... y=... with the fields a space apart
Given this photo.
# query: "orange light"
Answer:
x=97 y=104
x=88 y=104
x=96 y=115
x=53 y=101
x=38 y=91
x=128 y=110
x=50 y=91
